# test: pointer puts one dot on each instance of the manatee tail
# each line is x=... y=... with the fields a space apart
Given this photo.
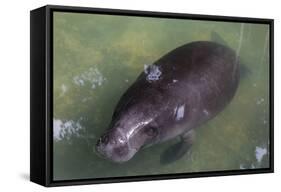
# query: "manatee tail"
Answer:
x=244 y=70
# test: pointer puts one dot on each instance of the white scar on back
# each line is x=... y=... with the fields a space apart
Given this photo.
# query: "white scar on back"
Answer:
x=179 y=112
x=206 y=112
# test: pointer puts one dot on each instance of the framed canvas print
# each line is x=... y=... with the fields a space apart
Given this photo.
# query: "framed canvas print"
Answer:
x=122 y=95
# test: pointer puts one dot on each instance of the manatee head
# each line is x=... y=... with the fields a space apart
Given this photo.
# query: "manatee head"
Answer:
x=129 y=132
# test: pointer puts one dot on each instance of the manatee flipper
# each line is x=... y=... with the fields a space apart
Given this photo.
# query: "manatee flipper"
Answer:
x=179 y=149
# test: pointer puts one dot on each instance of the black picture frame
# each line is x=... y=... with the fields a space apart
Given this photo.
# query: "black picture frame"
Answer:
x=41 y=99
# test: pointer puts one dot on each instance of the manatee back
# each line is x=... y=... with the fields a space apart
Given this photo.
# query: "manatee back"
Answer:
x=203 y=76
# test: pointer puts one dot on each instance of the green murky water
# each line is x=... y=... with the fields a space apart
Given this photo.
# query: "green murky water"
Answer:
x=97 y=57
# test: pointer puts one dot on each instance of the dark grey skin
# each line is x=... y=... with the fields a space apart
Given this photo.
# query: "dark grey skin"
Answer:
x=182 y=90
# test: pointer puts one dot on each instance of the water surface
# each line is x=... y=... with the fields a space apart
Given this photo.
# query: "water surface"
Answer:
x=97 y=57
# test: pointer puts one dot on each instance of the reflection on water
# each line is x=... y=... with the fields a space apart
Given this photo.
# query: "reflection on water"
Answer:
x=97 y=57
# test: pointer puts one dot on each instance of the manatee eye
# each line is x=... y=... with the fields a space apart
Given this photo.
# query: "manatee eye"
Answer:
x=151 y=131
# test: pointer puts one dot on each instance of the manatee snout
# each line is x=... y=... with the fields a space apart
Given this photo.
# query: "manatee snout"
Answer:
x=114 y=146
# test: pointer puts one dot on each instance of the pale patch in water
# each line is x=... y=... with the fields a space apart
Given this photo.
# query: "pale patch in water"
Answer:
x=92 y=76
x=78 y=81
x=63 y=88
x=260 y=101
x=179 y=112
x=174 y=80
x=65 y=129
x=153 y=72
x=242 y=167
x=86 y=99
x=260 y=152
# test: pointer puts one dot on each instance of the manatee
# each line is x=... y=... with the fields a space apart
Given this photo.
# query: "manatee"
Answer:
x=182 y=90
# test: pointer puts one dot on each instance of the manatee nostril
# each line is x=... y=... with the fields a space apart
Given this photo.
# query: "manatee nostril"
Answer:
x=98 y=142
x=104 y=139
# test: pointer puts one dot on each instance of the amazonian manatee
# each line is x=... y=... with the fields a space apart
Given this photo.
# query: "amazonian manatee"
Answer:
x=171 y=98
